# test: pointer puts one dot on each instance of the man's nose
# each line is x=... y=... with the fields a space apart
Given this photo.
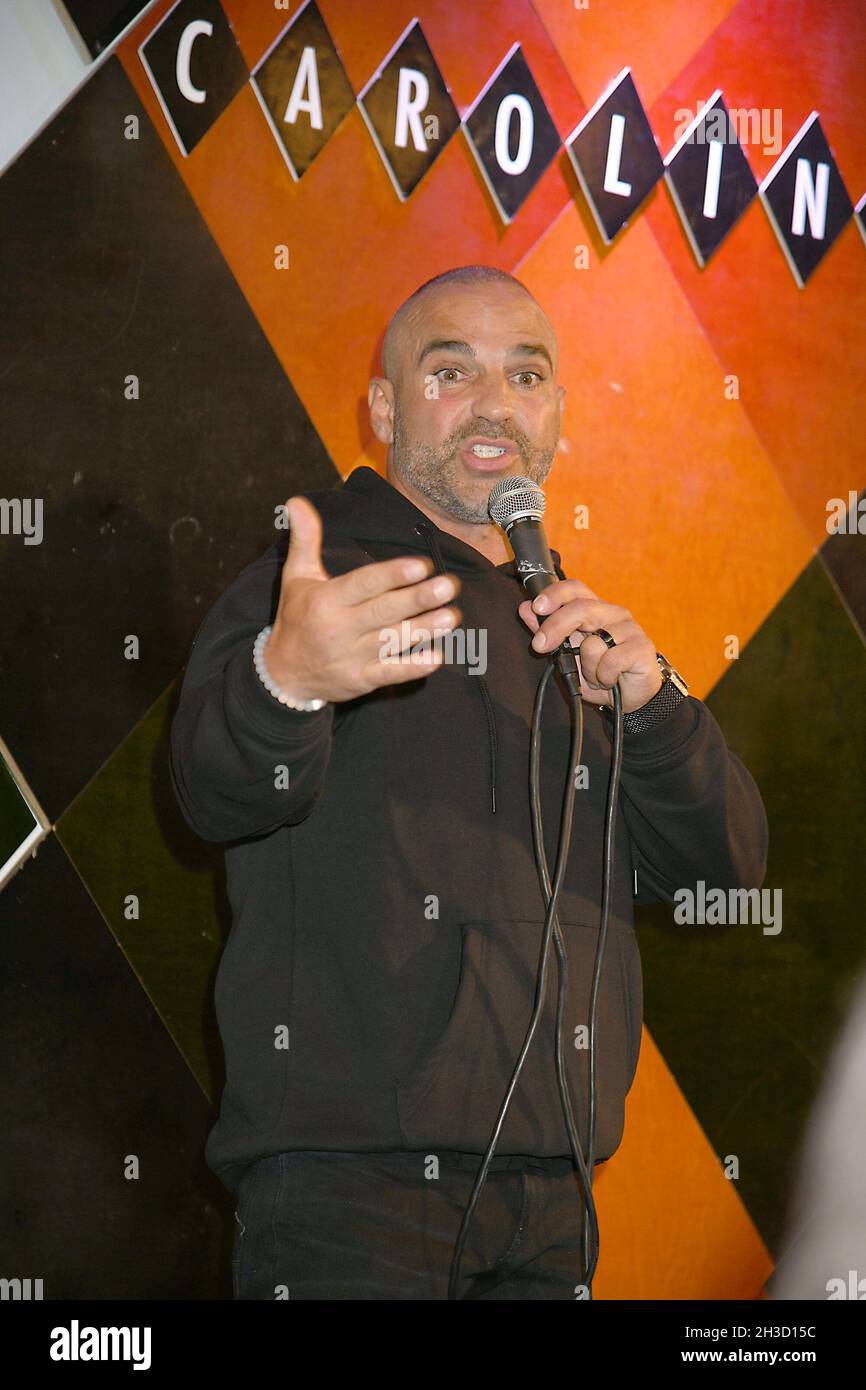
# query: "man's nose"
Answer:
x=492 y=399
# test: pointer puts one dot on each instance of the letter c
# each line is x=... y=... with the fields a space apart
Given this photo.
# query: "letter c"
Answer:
x=184 y=53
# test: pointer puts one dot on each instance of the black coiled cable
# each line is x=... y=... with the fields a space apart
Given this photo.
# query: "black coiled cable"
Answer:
x=590 y=1234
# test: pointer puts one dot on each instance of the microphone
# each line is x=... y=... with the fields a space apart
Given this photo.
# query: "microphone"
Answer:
x=517 y=506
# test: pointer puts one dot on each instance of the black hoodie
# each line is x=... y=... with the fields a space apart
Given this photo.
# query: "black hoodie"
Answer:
x=376 y=986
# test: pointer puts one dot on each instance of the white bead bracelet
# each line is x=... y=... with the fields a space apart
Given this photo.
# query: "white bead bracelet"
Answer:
x=270 y=685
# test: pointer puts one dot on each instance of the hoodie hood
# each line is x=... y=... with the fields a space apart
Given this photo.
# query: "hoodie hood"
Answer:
x=370 y=509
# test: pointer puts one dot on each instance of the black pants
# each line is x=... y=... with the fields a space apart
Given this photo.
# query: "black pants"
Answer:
x=382 y=1226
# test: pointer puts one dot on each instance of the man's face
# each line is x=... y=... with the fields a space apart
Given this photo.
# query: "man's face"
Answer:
x=474 y=375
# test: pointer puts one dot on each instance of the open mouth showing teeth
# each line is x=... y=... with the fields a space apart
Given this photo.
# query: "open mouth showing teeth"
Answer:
x=486 y=451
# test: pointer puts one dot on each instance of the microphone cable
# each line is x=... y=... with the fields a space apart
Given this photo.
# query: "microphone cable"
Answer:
x=607 y=877
x=562 y=994
x=552 y=928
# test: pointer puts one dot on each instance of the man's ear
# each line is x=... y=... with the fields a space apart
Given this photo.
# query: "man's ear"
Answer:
x=380 y=399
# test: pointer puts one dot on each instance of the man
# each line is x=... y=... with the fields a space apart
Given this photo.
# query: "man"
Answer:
x=372 y=791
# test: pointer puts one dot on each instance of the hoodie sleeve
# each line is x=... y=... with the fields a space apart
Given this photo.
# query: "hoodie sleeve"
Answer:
x=241 y=763
x=692 y=809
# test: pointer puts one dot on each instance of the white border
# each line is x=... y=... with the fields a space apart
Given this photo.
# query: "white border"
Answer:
x=515 y=47
x=386 y=60
x=39 y=832
x=608 y=91
x=669 y=182
x=765 y=184
x=787 y=152
x=270 y=120
x=281 y=35
x=696 y=251
x=382 y=155
x=491 y=79
x=260 y=98
x=146 y=65
x=359 y=101
x=693 y=125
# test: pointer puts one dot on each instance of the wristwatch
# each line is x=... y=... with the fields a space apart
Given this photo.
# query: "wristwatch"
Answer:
x=671 y=694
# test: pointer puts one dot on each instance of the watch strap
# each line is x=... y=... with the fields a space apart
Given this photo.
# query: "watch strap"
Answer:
x=666 y=699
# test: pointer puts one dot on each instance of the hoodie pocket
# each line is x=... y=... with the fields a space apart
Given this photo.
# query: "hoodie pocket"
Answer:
x=452 y=1097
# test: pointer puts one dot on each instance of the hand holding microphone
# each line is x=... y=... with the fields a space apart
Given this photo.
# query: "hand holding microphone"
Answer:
x=566 y=616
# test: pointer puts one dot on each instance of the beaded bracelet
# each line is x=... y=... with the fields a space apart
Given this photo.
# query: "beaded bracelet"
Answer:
x=270 y=685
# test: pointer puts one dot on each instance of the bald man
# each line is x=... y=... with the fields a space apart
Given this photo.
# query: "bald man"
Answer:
x=354 y=726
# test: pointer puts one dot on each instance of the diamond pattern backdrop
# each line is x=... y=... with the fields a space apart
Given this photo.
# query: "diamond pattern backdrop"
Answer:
x=711 y=415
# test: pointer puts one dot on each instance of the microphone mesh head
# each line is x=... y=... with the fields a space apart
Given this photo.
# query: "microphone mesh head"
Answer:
x=512 y=499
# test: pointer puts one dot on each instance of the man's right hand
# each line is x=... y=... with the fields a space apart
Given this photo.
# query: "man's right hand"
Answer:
x=334 y=639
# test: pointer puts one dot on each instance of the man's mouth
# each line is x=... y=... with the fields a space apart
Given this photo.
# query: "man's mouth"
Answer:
x=488 y=455
x=487 y=451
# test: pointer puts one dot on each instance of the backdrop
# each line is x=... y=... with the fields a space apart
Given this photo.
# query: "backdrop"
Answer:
x=201 y=254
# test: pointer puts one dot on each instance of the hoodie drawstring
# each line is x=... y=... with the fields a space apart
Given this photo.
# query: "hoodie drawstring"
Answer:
x=429 y=535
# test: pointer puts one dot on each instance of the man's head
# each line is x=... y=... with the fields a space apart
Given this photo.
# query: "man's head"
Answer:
x=469 y=357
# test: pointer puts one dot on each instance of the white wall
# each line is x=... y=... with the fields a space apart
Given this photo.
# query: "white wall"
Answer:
x=42 y=62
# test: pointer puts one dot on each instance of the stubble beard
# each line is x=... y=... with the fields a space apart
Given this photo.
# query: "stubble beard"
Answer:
x=439 y=476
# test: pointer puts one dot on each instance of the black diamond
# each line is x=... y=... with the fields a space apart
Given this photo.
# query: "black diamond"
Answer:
x=303 y=88
x=511 y=133
x=100 y=24
x=806 y=201
x=860 y=216
x=211 y=60
x=614 y=145
x=709 y=178
x=409 y=110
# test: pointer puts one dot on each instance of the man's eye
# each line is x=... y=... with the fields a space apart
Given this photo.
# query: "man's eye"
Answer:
x=454 y=370
x=538 y=376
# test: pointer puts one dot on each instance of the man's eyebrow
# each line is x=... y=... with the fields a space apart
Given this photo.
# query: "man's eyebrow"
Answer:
x=458 y=345
x=531 y=350
x=445 y=345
